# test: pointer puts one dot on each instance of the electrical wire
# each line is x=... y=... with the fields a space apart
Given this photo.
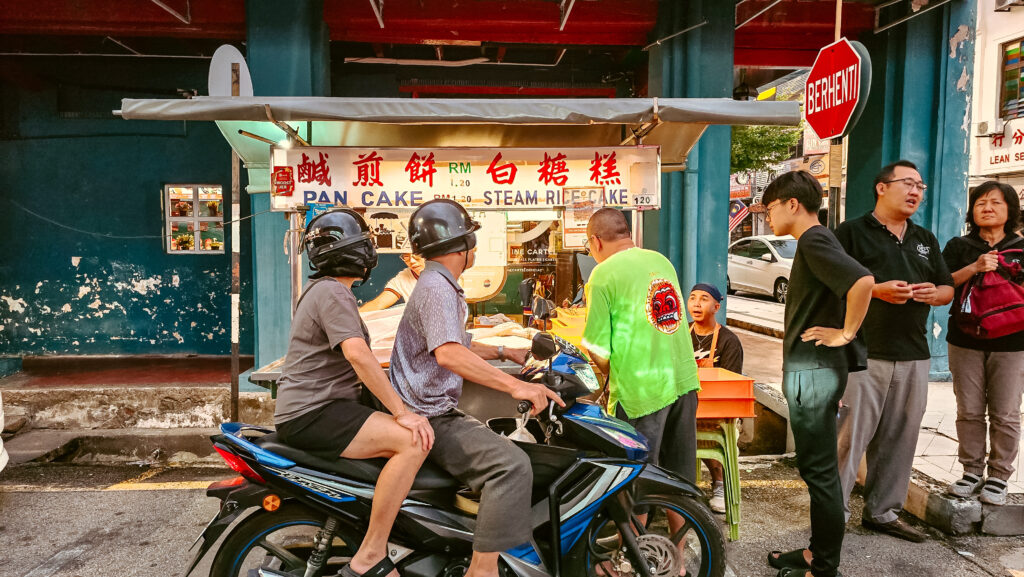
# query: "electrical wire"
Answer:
x=115 y=236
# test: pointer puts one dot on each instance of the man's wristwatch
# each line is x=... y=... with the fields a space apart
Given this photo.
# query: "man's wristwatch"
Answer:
x=501 y=353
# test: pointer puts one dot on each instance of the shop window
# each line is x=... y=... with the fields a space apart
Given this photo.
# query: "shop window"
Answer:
x=1011 y=94
x=195 y=218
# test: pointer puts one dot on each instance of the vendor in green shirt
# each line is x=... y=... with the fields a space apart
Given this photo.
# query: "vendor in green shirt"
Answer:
x=637 y=334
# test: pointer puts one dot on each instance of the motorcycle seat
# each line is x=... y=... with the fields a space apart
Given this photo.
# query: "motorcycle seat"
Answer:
x=430 y=475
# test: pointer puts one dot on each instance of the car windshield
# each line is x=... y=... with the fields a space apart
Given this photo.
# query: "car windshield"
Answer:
x=785 y=248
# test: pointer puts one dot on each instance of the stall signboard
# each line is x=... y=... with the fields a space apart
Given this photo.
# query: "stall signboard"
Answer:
x=478 y=178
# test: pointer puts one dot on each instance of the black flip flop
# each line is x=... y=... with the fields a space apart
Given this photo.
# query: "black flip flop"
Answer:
x=797 y=572
x=381 y=569
x=793 y=559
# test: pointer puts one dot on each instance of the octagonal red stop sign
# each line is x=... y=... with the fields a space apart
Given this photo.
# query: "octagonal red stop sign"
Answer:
x=833 y=90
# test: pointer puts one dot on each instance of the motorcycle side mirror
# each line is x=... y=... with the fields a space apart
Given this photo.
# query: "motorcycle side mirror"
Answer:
x=542 y=308
x=543 y=346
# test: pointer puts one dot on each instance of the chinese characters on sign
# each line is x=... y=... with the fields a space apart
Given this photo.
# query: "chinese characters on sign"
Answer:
x=1003 y=152
x=481 y=179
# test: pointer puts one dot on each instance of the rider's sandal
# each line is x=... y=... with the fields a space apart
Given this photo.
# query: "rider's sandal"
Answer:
x=792 y=559
x=381 y=569
x=965 y=486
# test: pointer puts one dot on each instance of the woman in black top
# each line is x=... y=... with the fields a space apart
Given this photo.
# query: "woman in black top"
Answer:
x=987 y=373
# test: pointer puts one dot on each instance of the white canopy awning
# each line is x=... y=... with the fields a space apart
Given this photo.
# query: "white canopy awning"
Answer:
x=674 y=124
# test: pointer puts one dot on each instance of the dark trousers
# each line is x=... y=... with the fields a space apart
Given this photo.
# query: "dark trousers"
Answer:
x=813 y=396
x=493 y=466
x=671 y=435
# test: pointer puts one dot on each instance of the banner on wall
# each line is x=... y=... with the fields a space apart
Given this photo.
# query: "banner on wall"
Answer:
x=478 y=178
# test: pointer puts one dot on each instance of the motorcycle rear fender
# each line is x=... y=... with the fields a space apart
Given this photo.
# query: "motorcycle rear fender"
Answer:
x=654 y=480
x=233 y=503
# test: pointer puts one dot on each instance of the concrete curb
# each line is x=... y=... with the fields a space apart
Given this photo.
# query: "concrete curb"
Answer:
x=168 y=407
x=755 y=328
x=927 y=500
x=116 y=446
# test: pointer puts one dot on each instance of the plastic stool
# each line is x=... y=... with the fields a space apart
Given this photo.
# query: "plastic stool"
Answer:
x=717 y=440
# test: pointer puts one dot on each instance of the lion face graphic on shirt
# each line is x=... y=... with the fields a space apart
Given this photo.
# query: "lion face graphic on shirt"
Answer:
x=663 y=306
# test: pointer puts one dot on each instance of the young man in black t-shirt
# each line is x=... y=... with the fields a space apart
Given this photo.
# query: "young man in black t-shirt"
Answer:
x=829 y=293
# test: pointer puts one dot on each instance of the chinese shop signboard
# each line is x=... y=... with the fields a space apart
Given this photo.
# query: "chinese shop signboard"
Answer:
x=478 y=178
x=1001 y=153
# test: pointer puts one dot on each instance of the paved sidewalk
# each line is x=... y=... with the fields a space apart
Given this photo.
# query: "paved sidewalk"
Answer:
x=936 y=455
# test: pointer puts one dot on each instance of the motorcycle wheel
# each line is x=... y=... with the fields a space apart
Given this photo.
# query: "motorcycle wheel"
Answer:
x=700 y=540
x=280 y=541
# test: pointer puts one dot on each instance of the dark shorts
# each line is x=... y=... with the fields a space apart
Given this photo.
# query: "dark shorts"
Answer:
x=325 y=432
x=671 y=435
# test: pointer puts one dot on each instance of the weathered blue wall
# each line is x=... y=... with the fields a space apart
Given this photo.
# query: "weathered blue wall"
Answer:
x=919 y=110
x=65 y=156
x=691 y=229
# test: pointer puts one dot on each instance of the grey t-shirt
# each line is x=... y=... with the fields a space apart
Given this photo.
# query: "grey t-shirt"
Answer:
x=315 y=370
x=435 y=315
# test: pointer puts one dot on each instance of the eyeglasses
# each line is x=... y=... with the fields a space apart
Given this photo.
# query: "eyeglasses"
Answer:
x=910 y=183
x=768 y=209
x=586 y=243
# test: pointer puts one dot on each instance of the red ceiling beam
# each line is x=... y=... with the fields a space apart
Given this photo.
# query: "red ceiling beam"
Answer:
x=418 y=90
x=221 y=19
x=610 y=22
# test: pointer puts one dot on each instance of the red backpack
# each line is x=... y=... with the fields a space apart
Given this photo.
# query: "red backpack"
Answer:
x=993 y=304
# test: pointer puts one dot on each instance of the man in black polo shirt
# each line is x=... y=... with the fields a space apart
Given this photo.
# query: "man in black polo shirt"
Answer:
x=883 y=406
x=828 y=298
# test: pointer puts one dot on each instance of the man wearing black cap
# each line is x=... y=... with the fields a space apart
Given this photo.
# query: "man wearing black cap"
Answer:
x=713 y=346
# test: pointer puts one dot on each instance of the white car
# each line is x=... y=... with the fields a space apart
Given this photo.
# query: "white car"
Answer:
x=761 y=264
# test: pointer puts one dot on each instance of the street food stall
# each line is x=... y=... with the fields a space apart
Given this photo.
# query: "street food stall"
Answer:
x=531 y=171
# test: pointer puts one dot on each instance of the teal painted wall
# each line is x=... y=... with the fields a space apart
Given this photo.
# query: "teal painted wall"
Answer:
x=288 y=53
x=919 y=110
x=65 y=156
x=692 y=227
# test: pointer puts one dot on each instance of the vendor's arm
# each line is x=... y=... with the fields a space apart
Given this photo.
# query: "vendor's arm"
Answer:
x=385 y=299
x=368 y=370
x=462 y=361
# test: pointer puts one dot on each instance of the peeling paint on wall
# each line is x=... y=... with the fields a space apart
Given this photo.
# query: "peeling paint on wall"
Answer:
x=957 y=40
x=15 y=305
x=101 y=307
x=75 y=260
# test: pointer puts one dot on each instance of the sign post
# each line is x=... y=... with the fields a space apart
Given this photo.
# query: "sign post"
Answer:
x=835 y=93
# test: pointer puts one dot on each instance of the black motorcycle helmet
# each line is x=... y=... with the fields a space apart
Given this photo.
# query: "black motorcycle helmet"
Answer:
x=441 y=227
x=339 y=243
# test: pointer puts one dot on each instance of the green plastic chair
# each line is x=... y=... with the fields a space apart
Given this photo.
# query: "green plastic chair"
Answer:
x=717 y=439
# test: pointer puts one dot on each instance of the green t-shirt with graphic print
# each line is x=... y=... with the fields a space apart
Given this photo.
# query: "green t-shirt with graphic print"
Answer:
x=635 y=320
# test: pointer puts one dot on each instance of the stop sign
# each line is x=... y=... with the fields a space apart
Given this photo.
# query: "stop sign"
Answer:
x=836 y=88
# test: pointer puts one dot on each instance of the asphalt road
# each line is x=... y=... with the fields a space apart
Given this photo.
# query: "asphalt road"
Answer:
x=86 y=521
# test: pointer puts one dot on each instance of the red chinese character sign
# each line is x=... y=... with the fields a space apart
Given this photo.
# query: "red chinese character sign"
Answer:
x=478 y=178
x=837 y=88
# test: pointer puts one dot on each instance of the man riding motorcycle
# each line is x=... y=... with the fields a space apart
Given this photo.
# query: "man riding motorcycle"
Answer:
x=328 y=363
x=432 y=355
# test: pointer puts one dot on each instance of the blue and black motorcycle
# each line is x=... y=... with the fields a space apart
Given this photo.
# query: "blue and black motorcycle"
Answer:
x=598 y=508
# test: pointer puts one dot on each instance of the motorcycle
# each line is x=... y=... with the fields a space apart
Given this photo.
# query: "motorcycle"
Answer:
x=595 y=502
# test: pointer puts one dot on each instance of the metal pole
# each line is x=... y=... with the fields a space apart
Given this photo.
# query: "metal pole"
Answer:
x=835 y=150
x=294 y=258
x=235 y=258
